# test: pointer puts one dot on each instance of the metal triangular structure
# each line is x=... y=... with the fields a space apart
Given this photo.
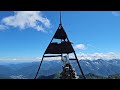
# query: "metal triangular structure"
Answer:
x=64 y=47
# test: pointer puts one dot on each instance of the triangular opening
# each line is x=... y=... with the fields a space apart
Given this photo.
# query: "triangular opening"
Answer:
x=60 y=33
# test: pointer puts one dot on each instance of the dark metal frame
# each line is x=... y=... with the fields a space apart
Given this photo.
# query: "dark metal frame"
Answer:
x=61 y=59
x=60 y=55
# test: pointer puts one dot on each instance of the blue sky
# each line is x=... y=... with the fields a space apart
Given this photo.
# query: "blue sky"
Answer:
x=27 y=34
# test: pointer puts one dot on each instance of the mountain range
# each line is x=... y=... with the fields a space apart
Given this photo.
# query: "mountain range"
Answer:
x=27 y=70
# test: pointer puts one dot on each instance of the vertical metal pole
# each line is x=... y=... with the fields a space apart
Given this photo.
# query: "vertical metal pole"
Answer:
x=61 y=53
x=41 y=62
x=39 y=67
x=60 y=19
x=79 y=66
x=78 y=62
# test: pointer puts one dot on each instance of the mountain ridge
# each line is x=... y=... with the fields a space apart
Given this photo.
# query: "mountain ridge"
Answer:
x=28 y=69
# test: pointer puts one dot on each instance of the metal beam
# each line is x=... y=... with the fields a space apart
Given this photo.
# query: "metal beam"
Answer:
x=72 y=59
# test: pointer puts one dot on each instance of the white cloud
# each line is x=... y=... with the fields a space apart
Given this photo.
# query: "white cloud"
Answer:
x=26 y=59
x=16 y=59
x=80 y=46
x=115 y=13
x=95 y=56
x=2 y=27
x=38 y=58
x=27 y=19
x=81 y=56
